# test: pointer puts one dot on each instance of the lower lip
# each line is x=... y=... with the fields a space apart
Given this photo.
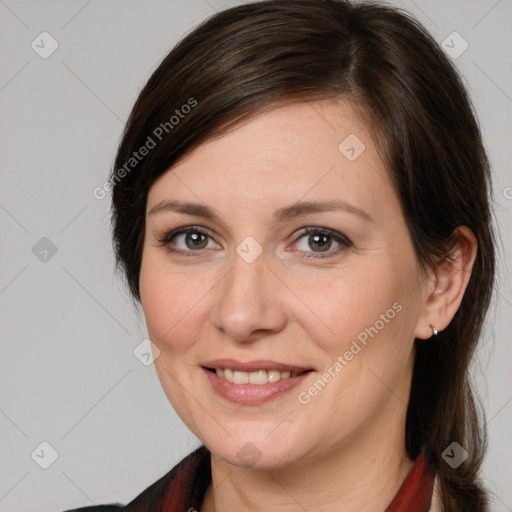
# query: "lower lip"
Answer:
x=253 y=394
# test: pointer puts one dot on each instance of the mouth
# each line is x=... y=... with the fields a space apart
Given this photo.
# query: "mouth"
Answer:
x=259 y=377
x=256 y=386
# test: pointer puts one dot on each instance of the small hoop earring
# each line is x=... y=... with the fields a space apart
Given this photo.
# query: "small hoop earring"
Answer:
x=434 y=330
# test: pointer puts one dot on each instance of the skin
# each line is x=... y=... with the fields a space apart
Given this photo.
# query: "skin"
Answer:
x=346 y=446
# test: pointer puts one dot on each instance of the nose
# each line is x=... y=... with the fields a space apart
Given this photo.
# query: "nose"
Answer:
x=248 y=303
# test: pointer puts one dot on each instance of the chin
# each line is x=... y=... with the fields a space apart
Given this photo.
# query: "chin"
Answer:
x=256 y=452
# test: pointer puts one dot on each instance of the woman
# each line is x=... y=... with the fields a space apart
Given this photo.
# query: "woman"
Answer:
x=301 y=206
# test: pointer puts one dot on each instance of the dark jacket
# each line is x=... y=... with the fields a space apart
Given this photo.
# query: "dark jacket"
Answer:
x=182 y=488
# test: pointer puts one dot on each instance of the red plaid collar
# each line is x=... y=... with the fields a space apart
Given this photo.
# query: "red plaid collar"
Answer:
x=415 y=494
x=189 y=479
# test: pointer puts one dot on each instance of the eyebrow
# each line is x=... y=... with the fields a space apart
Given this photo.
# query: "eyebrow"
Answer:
x=293 y=211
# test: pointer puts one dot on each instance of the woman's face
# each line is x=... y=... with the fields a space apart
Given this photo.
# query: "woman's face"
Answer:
x=247 y=284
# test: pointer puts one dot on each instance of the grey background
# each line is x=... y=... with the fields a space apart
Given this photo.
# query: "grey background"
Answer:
x=69 y=376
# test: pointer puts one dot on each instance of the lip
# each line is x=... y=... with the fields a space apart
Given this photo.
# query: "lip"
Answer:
x=252 y=394
x=253 y=366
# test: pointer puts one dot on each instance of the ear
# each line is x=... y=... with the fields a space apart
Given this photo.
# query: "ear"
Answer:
x=447 y=284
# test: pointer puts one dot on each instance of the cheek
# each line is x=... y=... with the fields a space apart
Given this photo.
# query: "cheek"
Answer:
x=367 y=317
x=350 y=301
x=170 y=300
x=366 y=342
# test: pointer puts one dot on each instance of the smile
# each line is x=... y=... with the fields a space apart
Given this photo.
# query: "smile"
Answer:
x=258 y=377
x=255 y=387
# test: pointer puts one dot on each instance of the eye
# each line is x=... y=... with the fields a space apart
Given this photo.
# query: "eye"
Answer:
x=321 y=240
x=191 y=238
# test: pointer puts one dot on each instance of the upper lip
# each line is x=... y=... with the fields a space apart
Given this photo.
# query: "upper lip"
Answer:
x=252 y=366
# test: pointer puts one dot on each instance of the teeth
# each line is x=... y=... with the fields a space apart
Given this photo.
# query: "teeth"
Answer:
x=240 y=377
x=257 y=377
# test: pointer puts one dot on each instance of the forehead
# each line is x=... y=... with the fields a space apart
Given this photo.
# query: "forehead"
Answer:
x=319 y=150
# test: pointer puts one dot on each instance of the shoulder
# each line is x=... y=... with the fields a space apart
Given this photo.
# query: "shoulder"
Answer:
x=477 y=503
x=149 y=499
x=436 y=504
x=98 y=508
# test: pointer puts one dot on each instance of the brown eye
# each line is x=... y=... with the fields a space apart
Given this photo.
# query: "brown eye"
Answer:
x=186 y=240
x=320 y=240
x=195 y=240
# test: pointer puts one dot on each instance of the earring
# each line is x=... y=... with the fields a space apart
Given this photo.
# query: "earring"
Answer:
x=434 y=330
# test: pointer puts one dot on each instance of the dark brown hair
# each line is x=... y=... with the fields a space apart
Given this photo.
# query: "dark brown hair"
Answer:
x=260 y=55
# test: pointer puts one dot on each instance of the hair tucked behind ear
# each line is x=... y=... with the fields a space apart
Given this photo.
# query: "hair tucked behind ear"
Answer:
x=262 y=54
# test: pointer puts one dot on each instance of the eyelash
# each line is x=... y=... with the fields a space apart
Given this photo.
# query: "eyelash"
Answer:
x=165 y=238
